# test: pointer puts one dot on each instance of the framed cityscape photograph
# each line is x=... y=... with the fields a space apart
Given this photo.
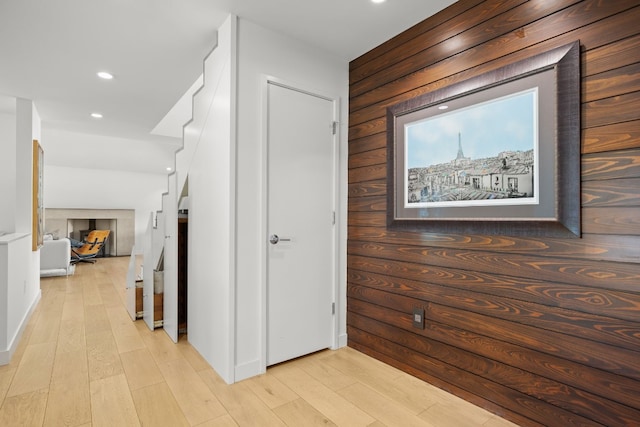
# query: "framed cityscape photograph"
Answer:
x=496 y=154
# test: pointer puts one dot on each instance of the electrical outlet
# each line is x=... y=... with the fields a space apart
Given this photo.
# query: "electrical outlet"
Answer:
x=418 y=317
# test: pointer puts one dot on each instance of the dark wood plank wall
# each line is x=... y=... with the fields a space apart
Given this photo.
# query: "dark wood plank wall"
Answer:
x=543 y=331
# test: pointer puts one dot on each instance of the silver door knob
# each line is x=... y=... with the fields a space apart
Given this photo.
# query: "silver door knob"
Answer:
x=274 y=239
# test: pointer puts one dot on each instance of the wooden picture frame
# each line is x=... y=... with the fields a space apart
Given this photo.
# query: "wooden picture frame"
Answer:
x=37 y=233
x=506 y=186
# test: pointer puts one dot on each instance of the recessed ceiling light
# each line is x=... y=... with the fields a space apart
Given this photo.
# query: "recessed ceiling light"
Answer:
x=377 y=1
x=443 y=107
x=105 y=75
x=96 y=115
x=169 y=168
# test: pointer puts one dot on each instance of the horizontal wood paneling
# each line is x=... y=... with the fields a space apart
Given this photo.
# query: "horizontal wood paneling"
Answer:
x=621 y=108
x=618 y=136
x=543 y=331
x=611 y=83
x=368 y=143
x=590 y=276
x=370 y=188
x=611 y=165
x=615 y=192
x=611 y=220
x=625 y=249
x=462 y=289
x=611 y=56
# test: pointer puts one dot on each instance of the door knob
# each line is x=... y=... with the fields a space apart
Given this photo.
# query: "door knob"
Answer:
x=274 y=239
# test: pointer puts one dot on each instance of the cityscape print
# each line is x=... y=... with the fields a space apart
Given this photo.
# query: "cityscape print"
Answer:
x=500 y=169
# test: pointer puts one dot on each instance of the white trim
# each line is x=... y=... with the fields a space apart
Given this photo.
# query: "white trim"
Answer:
x=248 y=370
x=262 y=235
x=233 y=203
x=6 y=355
x=342 y=341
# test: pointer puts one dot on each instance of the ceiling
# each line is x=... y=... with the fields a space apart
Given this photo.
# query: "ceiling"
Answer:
x=50 y=51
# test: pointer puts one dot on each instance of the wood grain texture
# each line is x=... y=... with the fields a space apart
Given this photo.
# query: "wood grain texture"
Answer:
x=464 y=290
x=615 y=192
x=543 y=330
x=371 y=188
x=625 y=249
x=611 y=56
x=611 y=83
x=611 y=220
x=594 y=355
x=588 y=276
x=368 y=158
x=368 y=143
x=618 y=136
x=611 y=165
x=611 y=110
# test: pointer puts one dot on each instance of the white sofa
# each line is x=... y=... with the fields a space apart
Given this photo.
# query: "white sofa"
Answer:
x=55 y=258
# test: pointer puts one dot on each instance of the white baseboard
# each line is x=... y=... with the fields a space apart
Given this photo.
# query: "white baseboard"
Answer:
x=6 y=355
x=248 y=370
x=342 y=341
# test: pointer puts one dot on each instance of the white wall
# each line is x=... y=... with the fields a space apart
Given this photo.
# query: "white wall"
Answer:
x=209 y=157
x=19 y=292
x=27 y=129
x=19 y=278
x=81 y=188
x=263 y=52
x=7 y=172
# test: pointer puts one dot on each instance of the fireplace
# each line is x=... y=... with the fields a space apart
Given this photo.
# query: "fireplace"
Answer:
x=76 y=223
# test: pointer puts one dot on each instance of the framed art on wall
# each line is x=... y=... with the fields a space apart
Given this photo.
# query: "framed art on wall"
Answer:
x=496 y=154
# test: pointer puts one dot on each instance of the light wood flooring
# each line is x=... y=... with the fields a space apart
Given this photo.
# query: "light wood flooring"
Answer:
x=83 y=362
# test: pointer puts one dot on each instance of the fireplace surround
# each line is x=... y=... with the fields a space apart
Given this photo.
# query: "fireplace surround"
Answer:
x=74 y=222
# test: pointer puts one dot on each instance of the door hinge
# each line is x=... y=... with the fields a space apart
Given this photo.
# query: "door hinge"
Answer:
x=334 y=128
x=334 y=217
x=333 y=308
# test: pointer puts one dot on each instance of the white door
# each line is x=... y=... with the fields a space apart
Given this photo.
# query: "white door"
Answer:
x=300 y=212
x=170 y=298
x=150 y=263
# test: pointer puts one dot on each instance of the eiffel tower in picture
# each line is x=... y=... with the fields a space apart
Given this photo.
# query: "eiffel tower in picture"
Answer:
x=460 y=153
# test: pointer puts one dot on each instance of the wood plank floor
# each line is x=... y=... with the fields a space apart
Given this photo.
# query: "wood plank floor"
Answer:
x=83 y=362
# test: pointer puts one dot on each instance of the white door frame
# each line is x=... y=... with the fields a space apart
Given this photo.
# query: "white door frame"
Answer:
x=263 y=235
